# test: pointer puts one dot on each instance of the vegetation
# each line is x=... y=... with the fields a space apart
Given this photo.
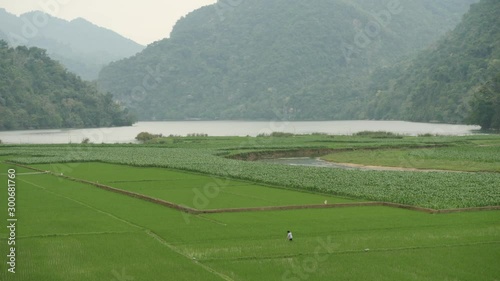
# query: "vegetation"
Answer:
x=36 y=92
x=485 y=105
x=378 y=135
x=276 y=60
x=299 y=63
x=82 y=47
x=276 y=135
x=440 y=82
x=189 y=189
x=145 y=136
x=433 y=190
x=85 y=233
x=79 y=238
x=473 y=158
x=197 y=135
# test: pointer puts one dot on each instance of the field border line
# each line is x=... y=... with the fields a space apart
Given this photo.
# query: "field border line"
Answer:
x=147 y=231
x=116 y=190
x=256 y=209
x=290 y=207
x=83 y=204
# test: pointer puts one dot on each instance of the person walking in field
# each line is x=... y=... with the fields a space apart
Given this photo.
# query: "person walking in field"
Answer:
x=289 y=235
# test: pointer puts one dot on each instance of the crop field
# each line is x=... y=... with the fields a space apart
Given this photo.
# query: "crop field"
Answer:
x=478 y=158
x=188 y=189
x=431 y=190
x=69 y=230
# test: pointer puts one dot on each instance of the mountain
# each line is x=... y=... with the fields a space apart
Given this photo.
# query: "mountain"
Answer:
x=37 y=92
x=276 y=59
x=439 y=83
x=81 y=46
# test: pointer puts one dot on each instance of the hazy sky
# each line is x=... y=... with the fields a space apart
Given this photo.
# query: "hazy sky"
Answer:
x=143 y=21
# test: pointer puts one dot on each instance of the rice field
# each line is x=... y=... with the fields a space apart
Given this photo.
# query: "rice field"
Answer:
x=430 y=190
x=68 y=230
x=189 y=189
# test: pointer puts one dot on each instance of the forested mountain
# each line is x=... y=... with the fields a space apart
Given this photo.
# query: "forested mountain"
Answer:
x=81 y=46
x=276 y=59
x=485 y=105
x=37 y=92
x=439 y=83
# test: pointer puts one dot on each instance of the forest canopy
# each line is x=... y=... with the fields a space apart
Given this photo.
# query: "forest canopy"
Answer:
x=277 y=59
x=37 y=92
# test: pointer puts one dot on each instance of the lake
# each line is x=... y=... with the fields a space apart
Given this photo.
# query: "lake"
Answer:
x=228 y=128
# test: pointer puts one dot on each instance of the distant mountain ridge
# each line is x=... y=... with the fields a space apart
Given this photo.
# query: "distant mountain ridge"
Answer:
x=83 y=47
x=276 y=59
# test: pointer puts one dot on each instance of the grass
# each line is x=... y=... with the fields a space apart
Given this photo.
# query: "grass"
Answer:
x=66 y=232
x=432 y=190
x=102 y=257
x=470 y=158
x=189 y=189
x=412 y=264
x=97 y=234
x=74 y=231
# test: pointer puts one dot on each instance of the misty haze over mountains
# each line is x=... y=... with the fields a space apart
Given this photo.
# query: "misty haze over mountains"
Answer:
x=81 y=46
x=277 y=59
x=421 y=61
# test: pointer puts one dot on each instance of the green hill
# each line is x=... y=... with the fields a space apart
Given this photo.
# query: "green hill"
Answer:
x=79 y=45
x=37 y=92
x=276 y=59
x=439 y=83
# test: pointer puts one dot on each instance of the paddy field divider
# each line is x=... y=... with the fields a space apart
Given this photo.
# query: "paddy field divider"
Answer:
x=256 y=209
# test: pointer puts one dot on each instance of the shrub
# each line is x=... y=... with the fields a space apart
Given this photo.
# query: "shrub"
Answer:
x=197 y=135
x=378 y=134
x=145 y=136
x=276 y=135
x=427 y=135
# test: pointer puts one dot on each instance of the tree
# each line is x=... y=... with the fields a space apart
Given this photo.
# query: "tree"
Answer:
x=145 y=136
x=485 y=105
x=37 y=92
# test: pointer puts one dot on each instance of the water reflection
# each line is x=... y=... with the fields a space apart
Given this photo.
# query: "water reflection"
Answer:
x=229 y=128
x=307 y=161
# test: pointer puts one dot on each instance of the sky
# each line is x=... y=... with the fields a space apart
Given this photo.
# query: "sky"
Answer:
x=144 y=21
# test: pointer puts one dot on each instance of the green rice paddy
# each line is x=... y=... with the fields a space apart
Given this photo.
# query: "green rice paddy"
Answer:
x=189 y=189
x=68 y=230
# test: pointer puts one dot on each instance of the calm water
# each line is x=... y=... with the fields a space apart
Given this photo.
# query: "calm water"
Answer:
x=307 y=161
x=228 y=128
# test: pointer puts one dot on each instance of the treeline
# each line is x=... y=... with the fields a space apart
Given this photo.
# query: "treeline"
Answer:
x=485 y=105
x=37 y=92
x=453 y=81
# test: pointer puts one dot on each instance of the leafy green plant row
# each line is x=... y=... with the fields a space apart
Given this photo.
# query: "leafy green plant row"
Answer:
x=436 y=190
